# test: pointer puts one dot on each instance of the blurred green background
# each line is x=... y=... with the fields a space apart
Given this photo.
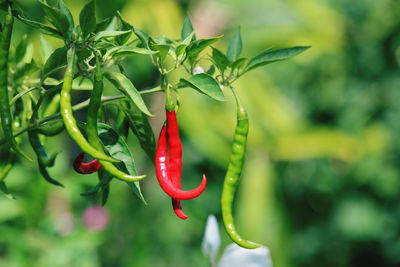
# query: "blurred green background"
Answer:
x=322 y=176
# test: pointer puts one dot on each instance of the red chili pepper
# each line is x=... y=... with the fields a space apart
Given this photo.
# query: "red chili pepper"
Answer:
x=175 y=159
x=85 y=168
x=163 y=176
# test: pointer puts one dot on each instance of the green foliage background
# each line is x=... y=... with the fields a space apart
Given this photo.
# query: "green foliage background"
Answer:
x=322 y=175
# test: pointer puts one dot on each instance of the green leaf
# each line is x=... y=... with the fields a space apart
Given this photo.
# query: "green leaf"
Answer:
x=122 y=51
x=4 y=189
x=21 y=49
x=43 y=28
x=144 y=38
x=235 y=47
x=105 y=193
x=87 y=18
x=162 y=49
x=23 y=53
x=122 y=83
x=64 y=9
x=83 y=54
x=108 y=34
x=269 y=56
x=205 y=84
x=239 y=64
x=104 y=177
x=23 y=70
x=211 y=70
x=3 y=5
x=118 y=149
x=130 y=51
x=57 y=18
x=140 y=126
x=187 y=29
x=81 y=83
x=45 y=49
x=181 y=48
x=220 y=61
x=102 y=25
x=195 y=48
x=189 y=39
x=123 y=26
x=55 y=62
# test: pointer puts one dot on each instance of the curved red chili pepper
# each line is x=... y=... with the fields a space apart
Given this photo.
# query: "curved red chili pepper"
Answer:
x=176 y=204
x=175 y=159
x=85 y=168
x=162 y=172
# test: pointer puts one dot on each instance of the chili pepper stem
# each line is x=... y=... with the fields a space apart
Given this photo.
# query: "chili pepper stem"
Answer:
x=169 y=104
x=241 y=111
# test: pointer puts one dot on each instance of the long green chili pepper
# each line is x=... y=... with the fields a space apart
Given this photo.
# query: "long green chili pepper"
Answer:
x=91 y=126
x=67 y=115
x=39 y=149
x=233 y=174
x=45 y=174
x=6 y=117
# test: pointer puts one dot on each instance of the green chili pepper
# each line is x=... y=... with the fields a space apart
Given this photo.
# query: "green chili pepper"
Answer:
x=12 y=156
x=233 y=174
x=6 y=117
x=39 y=149
x=11 y=159
x=91 y=126
x=45 y=174
x=7 y=168
x=67 y=115
x=53 y=106
x=43 y=159
x=51 y=128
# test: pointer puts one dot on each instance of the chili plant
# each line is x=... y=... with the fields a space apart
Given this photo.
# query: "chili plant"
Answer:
x=31 y=95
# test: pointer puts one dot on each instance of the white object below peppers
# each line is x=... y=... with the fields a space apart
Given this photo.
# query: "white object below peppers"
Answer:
x=233 y=256
x=211 y=241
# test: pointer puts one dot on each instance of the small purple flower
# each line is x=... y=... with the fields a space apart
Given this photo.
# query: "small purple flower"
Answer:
x=95 y=218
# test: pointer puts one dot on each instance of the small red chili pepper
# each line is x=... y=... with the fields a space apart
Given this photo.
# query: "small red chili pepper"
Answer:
x=163 y=176
x=85 y=168
x=175 y=159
